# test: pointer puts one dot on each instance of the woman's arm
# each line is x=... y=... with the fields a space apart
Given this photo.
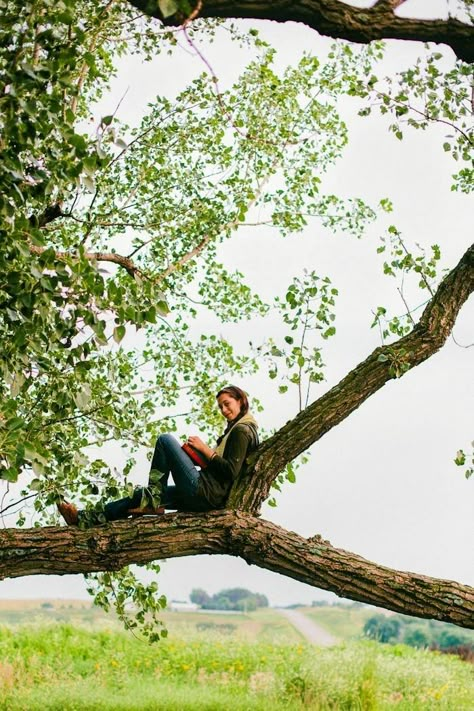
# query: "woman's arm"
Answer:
x=228 y=468
x=200 y=446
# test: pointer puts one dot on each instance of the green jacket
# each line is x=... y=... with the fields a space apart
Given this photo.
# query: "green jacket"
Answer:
x=216 y=480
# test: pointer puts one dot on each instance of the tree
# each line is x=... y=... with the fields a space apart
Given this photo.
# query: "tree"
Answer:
x=381 y=628
x=110 y=236
x=415 y=637
x=231 y=599
x=200 y=597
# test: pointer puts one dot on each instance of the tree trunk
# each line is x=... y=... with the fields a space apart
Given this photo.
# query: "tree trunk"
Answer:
x=62 y=550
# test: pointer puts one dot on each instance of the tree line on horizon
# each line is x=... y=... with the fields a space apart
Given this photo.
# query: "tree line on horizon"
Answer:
x=422 y=634
x=233 y=599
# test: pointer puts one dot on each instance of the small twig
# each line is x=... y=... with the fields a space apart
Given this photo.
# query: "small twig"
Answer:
x=425 y=281
x=400 y=291
x=426 y=115
x=15 y=503
x=303 y=335
x=470 y=345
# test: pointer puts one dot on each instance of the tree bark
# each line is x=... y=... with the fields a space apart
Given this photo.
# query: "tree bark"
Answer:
x=338 y=20
x=62 y=550
x=384 y=364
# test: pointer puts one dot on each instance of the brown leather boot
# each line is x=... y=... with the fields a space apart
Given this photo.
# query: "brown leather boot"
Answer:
x=146 y=511
x=68 y=512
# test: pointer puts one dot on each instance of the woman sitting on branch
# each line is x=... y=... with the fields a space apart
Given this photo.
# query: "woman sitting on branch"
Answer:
x=194 y=489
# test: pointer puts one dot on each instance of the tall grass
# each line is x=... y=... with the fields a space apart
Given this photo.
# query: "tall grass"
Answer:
x=65 y=668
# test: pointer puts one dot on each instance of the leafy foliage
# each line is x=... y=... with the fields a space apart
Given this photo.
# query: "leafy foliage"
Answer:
x=422 y=634
x=428 y=92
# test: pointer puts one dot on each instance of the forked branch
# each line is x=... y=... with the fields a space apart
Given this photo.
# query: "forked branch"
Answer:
x=384 y=364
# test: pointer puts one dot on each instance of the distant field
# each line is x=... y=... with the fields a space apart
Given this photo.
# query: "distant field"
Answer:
x=60 y=667
x=80 y=612
x=263 y=625
x=345 y=623
x=38 y=603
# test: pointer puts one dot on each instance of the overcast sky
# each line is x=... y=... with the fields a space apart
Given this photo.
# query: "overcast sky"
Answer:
x=383 y=483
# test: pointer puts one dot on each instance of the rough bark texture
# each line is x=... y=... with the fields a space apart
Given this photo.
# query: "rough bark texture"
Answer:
x=338 y=20
x=311 y=424
x=313 y=560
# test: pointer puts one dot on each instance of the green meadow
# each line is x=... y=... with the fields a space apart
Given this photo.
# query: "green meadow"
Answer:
x=255 y=661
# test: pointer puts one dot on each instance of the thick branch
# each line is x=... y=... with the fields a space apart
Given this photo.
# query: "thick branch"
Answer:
x=382 y=365
x=187 y=257
x=112 y=257
x=313 y=561
x=338 y=20
x=51 y=213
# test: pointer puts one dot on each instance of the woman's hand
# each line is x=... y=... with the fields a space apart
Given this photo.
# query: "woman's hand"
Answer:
x=201 y=446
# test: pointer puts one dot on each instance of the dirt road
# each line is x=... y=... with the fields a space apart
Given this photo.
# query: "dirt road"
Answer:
x=309 y=629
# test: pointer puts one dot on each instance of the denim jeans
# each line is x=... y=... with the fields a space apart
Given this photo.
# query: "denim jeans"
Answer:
x=168 y=458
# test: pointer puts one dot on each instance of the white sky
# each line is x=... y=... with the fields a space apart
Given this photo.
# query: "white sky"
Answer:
x=383 y=483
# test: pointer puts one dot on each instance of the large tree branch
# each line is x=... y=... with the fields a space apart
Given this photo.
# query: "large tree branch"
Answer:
x=338 y=20
x=111 y=257
x=62 y=550
x=382 y=365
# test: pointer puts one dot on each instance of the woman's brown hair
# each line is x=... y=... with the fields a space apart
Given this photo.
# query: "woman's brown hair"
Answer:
x=237 y=394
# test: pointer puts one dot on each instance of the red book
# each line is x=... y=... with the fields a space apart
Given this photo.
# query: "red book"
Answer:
x=193 y=454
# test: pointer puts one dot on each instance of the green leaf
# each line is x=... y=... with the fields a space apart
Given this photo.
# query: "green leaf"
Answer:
x=89 y=183
x=162 y=308
x=9 y=474
x=290 y=474
x=150 y=315
x=15 y=423
x=37 y=467
x=83 y=396
x=460 y=458
x=168 y=7
x=329 y=332
x=119 y=333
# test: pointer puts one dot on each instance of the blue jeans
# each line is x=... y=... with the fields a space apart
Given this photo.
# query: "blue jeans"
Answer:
x=168 y=458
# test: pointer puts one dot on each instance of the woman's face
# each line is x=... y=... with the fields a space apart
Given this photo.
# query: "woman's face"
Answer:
x=229 y=406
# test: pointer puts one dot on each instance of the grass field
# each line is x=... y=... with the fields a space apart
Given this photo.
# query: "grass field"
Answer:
x=263 y=625
x=345 y=623
x=253 y=666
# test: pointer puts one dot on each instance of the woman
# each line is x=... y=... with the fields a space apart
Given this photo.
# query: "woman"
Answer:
x=193 y=489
